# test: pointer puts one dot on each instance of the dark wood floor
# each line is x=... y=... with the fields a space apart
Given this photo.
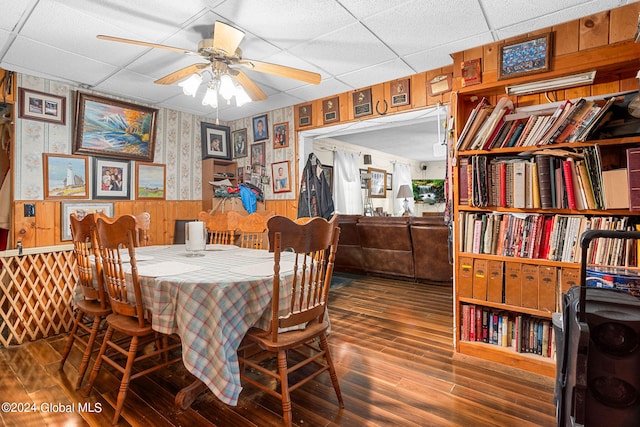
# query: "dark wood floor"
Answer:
x=391 y=341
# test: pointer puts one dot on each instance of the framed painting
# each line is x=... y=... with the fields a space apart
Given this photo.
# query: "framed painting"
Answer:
x=526 y=56
x=363 y=180
x=215 y=141
x=41 y=106
x=260 y=128
x=239 y=138
x=110 y=128
x=257 y=155
x=377 y=183
x=111 y=178
x=331 y=110
x=280 y=135
x=80 y=209
x=281 y=173
x=150 y=181
x=389 y=182
x=65 y=176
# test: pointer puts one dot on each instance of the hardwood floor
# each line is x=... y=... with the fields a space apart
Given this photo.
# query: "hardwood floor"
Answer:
x=391 y=341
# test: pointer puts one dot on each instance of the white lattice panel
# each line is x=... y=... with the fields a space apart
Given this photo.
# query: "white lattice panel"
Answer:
x=36 y=293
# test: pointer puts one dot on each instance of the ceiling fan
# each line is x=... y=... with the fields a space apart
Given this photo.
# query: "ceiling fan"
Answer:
x=224 y=57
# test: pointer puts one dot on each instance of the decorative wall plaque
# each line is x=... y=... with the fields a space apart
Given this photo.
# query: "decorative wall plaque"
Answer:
x=362 y=103
x=304 y=115
x=331 y=110
x=439 y=84
x=400 y=92
x=471 y=72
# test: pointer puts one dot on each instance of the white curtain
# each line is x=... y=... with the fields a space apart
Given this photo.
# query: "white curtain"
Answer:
x=347 y=195
x=401 y=175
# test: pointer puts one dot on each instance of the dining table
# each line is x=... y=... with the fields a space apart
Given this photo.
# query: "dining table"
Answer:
x=210 y=301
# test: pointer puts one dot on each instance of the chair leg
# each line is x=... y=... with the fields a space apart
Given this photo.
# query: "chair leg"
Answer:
x=98 y=364
x=86 y=357
x=324 y=345
x=72 y=338
x=124 y=384
x=284 y=388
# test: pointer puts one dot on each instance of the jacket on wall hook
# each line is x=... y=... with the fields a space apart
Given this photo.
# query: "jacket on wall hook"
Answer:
x=315 y=194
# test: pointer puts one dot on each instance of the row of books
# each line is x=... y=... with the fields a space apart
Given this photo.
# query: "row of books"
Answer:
x=551 y=237
x=557 y=179
x=501 y=126
x=522 y=333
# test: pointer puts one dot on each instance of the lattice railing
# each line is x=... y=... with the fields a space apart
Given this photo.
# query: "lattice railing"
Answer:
x=36 y=293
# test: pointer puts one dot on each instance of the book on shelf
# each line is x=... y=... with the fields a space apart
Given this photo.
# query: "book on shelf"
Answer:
x=463 y=181
x=633 y=172
x=477 y=118
x=581 y=111
x=486 y=129
x=544 y=180
x=568 y=184
x=615 y=186
x=566 y=120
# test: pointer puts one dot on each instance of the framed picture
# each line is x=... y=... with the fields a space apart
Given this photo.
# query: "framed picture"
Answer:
x=239 y=138
x=328 y=173
x=362 y=103
x=281 y=174
x=439 y=84
x=304 y=115
x=260 y=128
x=471 y=72
x=111 y=178
x=150 y=181
x=215 y=141
x=389 y=182
x=42 y=106
x=377 y=183
x=363 y=181
x=241 y=174
x=526 y=56
x=280 y=135
x=65 y=176
x=109 y=128
x=400 y=94
x=257 y=155
x=331 y=110
x=80 y=209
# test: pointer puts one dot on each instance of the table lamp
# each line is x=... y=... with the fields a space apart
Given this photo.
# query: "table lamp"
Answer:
x=405 y=191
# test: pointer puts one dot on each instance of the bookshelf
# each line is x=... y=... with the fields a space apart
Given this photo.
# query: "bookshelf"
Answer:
x=517 y=228
x=216 y=170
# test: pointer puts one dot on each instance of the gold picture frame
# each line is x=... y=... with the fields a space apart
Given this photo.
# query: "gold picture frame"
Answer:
x=362 y=103
x=523 y=57
x=400 y=92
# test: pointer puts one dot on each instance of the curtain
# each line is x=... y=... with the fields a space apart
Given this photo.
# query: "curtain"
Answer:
x=401 y=175
x=347 y=194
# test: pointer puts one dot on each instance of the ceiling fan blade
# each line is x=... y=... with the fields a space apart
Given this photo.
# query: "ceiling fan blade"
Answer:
x=226 y=38
x=147 y=44
x=181 y=74
x=254 y=92
x=281 y=70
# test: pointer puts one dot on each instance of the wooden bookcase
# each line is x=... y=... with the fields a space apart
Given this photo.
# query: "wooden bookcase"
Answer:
x=216 y=170
x=514 y=286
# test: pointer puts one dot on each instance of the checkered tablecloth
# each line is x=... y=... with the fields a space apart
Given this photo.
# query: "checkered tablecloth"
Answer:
x=211 y=309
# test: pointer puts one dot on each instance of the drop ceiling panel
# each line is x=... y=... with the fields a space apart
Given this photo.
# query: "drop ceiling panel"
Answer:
x=377 y=73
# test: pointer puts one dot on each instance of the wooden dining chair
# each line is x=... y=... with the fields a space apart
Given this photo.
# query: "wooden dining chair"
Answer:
x=94 y=303
x=298 y=327
x=252 y=230
x=143 y=220
x=129 y=317
x=218 y=228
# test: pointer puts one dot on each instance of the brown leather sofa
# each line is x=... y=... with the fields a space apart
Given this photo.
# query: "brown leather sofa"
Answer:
x=413 y=248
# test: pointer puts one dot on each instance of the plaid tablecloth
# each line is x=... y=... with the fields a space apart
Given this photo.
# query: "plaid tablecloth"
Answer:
x=211 y=309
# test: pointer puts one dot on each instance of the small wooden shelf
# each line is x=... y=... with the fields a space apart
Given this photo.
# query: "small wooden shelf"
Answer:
x=507 y=356
x=216 y=170
x=507 y=307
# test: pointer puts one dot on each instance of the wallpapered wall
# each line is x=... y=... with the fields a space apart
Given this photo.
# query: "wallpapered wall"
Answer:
x=177 y=146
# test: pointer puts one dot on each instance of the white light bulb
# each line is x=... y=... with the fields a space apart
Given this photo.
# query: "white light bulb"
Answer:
x=241 y=97
x=227 y=88
x=191 y=85
x=211 y=97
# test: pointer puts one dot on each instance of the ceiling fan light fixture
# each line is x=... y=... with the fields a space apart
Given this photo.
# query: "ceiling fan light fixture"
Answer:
x=190 y=86
x=211 y=96
x=241 y=97
x=227 y=88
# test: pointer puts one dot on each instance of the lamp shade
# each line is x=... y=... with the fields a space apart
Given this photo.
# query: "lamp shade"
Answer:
x=404 y=192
